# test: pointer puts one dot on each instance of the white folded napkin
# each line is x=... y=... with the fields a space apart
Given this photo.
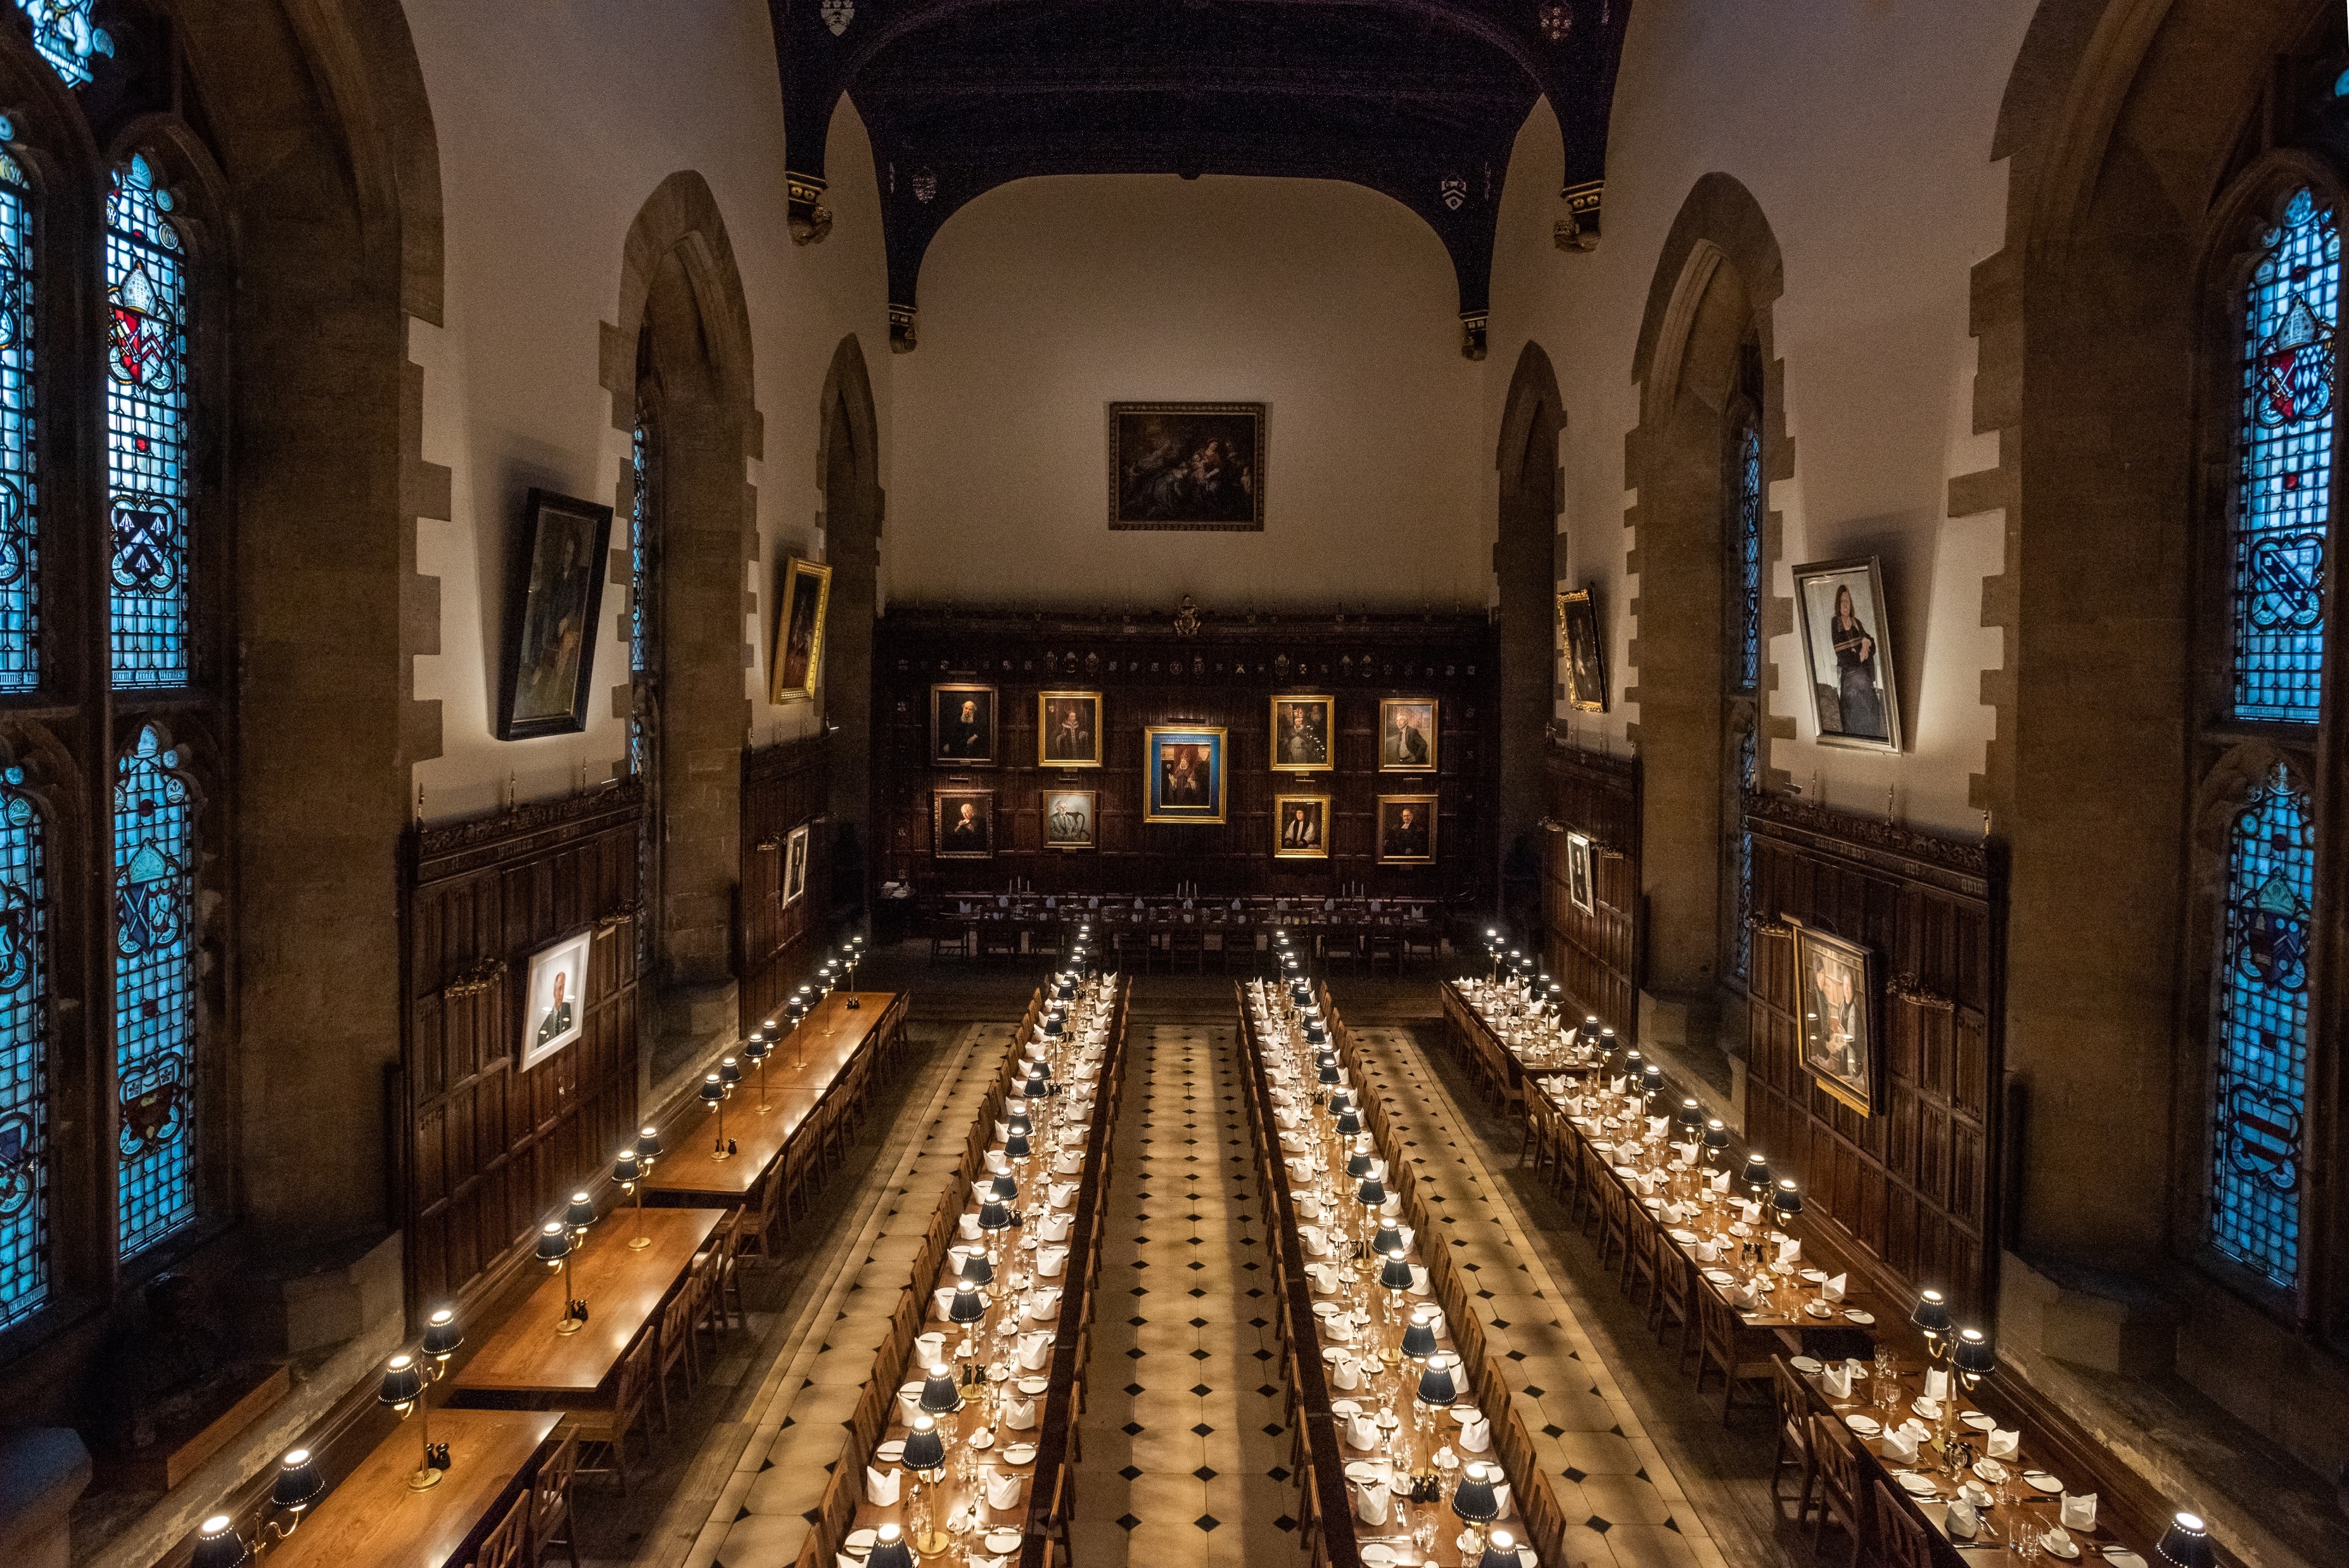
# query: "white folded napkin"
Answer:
x=2079 y=1512
x=1501 y=1499
x=880 y=1488
x=1833 y=1290
x=1315 y=1246
x=968 y=1226
x=1418 y=1281
x=1900 y=1446
x=1070 y=1163
x=1003 y=1132
x=1647 y=1183
x=1346 y=1372
x=1308 y=1206
x=1706 y=1252
x=1475 y=1435
x=1616 y=1086
x=1378 y=1170
x=1301 y=1168
x=2002 y=1443
x=1035 y=1350
x=1750 y=1212
x=1836 y=1381
x=1937 y=1384
x=1054 y=1228
x=1044 y=1304
x=1020 y=1415
x=909 y=1403
x=980 y=1191
x=997 y=1161
x=1324 y=1277
x=1370 y=1504
x=1659 y=1126
x=1003 y=1491
x=1063 y=1194
x=1362 y=1431
x=1963 y=1520
x=1049 y=1260
x=1670 y=1214
x=929 y=1349
x=1286 y=1118
x=1408 y=1235
x=1293 y=1142
x=944 y=1298
x=1393 y=1207
x=1790 y=1250
x=1718 y=1181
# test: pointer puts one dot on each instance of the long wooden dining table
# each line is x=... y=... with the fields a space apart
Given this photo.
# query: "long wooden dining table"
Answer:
x=373 y=1517
x=527 y=1361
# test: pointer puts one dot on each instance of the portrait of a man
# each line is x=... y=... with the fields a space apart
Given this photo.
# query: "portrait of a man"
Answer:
x=1845 y=640
x=1068 y=820
x=550 y=626
x=1185 y=773
x=1581 y=874
x=1068 y=730
x=1186 y=465
x=554 y=1004
x=1407 y=735
x=1837 y=1001
x=1406 y=829
x=1300 y=824
x=962 y=726
x=795 y=866
x=798 y=662
x=963 y=823
x=1301 y=728
x=1583 y=649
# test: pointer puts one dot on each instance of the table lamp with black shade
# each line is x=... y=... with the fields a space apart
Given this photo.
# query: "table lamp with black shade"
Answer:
x=1437 y=1389
x=629 y=1172
x=1348 y=1123
x=1931 y=1319
x=1005 y=1189
x=1757 y=1179
x=1388 y=1240
x=968 y=1306
x=925 y=1457
x=1475 y=1502
x=976 y=1269
x=1017 y=1147
x=407 y=1389
x=1358 y=1165
x=757 y=1048
x=1690 y=1119
x=713 y=1095
x=294 y=1490
x=1786 y=1200
x=1500 y=1552
x=1395 y=1272
x=1973 y=1358
x=554 y=1251
x=1418 y=1336
x=2187 y=1544
x=889 y=1549
x=940 y=1393
x=1716 y=1138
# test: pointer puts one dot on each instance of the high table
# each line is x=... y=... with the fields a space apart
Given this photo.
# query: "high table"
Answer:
x=372 y=1516
x=527 y=1361
x=805 y=1067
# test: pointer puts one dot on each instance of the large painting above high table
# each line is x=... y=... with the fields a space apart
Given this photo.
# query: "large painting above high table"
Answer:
x=1200 y=725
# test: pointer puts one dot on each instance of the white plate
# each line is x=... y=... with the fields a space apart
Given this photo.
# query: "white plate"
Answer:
x=1685 y=1237
x=1804 y=1364
x=1990 y=1469
x=2122 y=1557
x=2042 y=1480
x=1361 y=1471
x=1929 y=1408
x=1463 y=1414
x=1034 y=1385
x=1721 y=1276
x=1978 y=1421
x=1001 y=1540
x=1814 y=1276
x=1325 y=1309
x=1344 y=1408
x=1019 y=1454
x=861 y=1540
x=2053 y=1552
x=1857 y=1316
x=1332 y=1353
x=1378 y=1556
x=890 y=1452
x=1916 y=1485
x=1817 y=1309
x=1866 y=1426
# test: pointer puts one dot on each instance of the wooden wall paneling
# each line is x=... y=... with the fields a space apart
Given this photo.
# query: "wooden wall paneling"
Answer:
x=492 y=1150
x=1225 y=674
x=1915 y=1185
x=784 y=787
x=1595 y=957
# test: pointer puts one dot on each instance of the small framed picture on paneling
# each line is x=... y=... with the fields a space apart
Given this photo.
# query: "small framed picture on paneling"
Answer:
x=1581 y=873
x=798 y=663
x=1835 y=988
x=795 y=859
x=1301 y=731
x=1846 y=642
x=554 y=1000
x=1406 y=830
x=1583 y=649
x=1069 y=819
x=962 y=823
x=1182 y=769
x=551 y=617
x=1300 y=827
x=1068 y=728
x=1407 y=735
x=962 y=726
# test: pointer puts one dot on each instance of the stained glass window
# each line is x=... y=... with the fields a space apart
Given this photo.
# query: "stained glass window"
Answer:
x=2261 y=1092
x=147 y=431
x=1750 y=501
x=1741 y=937
x=23 y=1052
x=63 y=33
x=154 y=993
x=2284 y=484
x=638 y=500
x=20 y=663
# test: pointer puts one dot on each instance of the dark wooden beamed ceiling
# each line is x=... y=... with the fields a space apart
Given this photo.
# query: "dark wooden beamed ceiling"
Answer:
x=1421 y=99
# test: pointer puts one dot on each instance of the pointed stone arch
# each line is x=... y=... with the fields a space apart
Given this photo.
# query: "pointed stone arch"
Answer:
x=848 y=467
x=1526 y=563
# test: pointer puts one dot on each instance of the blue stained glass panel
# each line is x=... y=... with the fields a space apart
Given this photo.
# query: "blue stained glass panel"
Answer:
x=147 y=431
x=63 y=33
x=20 y=662
x=23 y=1055
x=2283 y=490
x=1750 y=503
x=1741 y=939
x=2260 y=1094
x=154 y=993
x=638 y=523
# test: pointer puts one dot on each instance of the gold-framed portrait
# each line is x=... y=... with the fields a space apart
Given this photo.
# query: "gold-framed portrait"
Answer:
x=1183 y=767
x=1834 y=990
x=1407 y=735
x=1407 y=829
x=1068 y=728
x=962 y=725
x=1581 y=873
x=1300 y=827
x=962 y=823
x=1304 y=733
x=1582 y=650
x=798 y=661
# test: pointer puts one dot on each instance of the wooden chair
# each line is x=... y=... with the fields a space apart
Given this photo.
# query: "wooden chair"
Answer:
x=1641 y=1234
x=549 y=1505
x=1743 y=1354
x=762 y=1231
x=678 y=1347
x=1842 y=1491
x=608 y=1427
x=1897 y=1537
x=1675 y=1287
x=1614 y=1219
x=1794 y=1412
x=502 y=1546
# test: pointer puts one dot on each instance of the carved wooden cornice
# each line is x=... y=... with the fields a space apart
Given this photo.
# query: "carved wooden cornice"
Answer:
x=450 y=848
x=473 y=979
x=1598 y=766
x=1963 y=866
x=785 y=759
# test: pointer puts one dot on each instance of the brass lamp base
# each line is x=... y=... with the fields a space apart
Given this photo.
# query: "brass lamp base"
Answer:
x=640 y=1243
x=425 y=1480
x=718 y=1154
x=930 y=1543
x=569 y=1325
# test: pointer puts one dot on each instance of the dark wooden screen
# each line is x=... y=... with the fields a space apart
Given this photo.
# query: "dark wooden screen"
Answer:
x=490 y=1150
x=1226 y=673
x=1915 y=1185
x=1595 y=957
x=784 y=787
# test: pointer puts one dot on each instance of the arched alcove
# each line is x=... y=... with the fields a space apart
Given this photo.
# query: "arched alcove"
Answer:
x=1526 y=563
x=848 y=464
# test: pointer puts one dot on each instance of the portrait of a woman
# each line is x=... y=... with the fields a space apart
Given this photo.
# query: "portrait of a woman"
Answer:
x=1855 y=677
x=1845 y=637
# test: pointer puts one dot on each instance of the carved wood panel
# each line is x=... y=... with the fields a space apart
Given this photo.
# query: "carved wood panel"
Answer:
x=490 y=1149
x=1224 y=673
x=784 y=787
x=1913 y=1185
x=1595 y=957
